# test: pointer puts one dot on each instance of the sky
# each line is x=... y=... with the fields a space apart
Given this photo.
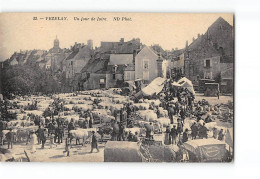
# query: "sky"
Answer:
x=18 y=31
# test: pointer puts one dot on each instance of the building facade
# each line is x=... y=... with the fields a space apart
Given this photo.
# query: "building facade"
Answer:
x=147 y=65
x=210 y=53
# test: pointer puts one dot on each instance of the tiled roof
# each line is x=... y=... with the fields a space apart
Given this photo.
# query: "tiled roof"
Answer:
x=120 y=59
x=130 y=67
x=95 y=66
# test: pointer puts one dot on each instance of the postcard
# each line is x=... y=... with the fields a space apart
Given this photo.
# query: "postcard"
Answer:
x=117 y=87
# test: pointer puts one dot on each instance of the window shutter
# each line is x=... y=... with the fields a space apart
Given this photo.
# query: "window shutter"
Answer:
x=204 y=63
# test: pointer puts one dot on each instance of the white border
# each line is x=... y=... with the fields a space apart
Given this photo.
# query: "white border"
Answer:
x=247 y=93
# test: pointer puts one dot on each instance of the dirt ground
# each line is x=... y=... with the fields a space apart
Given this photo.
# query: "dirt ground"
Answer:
x=77 y=153
x=213 y=100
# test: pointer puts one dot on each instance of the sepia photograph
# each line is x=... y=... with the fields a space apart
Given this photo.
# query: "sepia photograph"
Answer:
x=117 y=87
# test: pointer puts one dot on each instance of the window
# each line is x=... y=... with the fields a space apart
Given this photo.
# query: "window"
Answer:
x=207 y=75
x=207 y=63
x=221 y=50
x=101 y=81
x=146 y=64
x=114 y=76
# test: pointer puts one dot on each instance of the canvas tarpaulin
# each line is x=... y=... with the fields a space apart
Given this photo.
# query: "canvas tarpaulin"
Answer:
x=229 y=137
x=186 y=83
x=122 y=151
x=154 y=87
x=176 y=84
x=207 y=149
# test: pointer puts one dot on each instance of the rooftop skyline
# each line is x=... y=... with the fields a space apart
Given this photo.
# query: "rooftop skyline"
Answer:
x=19 y=32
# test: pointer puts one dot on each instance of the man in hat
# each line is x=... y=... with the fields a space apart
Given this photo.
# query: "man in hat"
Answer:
x=203 y=132
x=10 y=138
x=194 y=130
x=40 y=134
x=171 y=113
x=71 y=125
x=94 y=142
x=167 y=138
x=174 y=134
x=90 y=122
x=130 y=136
x=136 y=138
x=221 y=135
x=149 y=131
x=215 y=132
x=179 y=126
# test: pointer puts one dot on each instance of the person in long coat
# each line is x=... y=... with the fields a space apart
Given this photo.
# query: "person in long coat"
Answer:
x=90 y=122
x=194 y=130
x=167 y=138
x=33 y=142
x=94 y=142
x=174 y=134
x=10 y=138
x=221 y=135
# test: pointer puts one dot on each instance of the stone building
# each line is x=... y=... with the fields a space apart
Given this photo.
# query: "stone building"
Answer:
x=108 y=71
x=90 y=44
x=210 y=53
x=119 y=68
x=175 y=66
x=77 y=59
x=94 y=75
x=56 y=55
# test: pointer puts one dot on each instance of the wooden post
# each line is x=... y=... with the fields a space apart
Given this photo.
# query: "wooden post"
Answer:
x=27 y=156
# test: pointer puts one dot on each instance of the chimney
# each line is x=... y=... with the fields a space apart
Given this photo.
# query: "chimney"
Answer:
x=134 y=54
x=159 y=66
x=198 y=35
x=193 y=39
x=90 y=44
x=186 y=46
x=122 y=40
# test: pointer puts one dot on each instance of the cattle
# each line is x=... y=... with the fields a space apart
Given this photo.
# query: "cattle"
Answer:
x=79 y=134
